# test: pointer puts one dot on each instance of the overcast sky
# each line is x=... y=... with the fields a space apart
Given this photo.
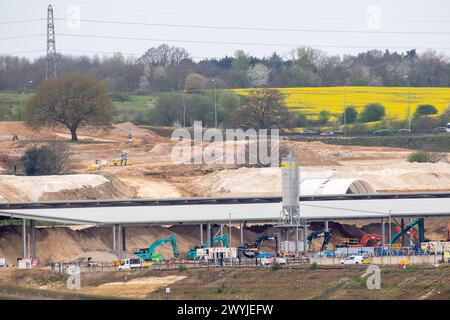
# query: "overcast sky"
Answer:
x=398 y=25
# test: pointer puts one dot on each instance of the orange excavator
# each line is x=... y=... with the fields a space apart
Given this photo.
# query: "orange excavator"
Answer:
x=371 y=237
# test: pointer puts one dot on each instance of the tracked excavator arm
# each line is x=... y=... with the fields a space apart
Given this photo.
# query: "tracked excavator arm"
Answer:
x=326 y=238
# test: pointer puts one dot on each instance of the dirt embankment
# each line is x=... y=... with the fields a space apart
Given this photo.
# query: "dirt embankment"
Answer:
x=66 y=244
x=65 y=187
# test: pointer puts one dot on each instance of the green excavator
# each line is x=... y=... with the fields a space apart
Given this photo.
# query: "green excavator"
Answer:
x=192 y=254
x=148 y=254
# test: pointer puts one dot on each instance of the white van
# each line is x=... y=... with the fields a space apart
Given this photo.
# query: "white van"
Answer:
x=448 y=127
x=353 y=260
x=129 y=264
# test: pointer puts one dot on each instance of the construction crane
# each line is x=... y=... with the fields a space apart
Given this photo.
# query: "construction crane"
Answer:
x=148 y=254
x=326 y=238
x=250 y=250
x=192 y=254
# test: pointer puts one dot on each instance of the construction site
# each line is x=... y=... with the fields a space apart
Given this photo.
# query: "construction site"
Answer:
x=166 y=224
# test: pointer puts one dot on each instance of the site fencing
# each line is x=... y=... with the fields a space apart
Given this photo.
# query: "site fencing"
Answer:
x=180 y=265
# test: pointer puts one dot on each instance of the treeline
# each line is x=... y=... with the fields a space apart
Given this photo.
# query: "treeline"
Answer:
x=167 y=68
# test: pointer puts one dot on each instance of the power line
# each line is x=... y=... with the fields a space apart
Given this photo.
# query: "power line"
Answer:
x=240 y=43
x=259 y=29
x=21 y=21
x=297 y=18
x=21 y=52
x=22 y=36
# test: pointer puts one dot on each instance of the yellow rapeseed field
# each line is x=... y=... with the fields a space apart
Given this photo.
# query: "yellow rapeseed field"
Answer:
x=395 y=99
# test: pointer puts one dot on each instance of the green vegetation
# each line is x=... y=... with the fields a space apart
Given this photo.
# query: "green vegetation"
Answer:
x=419 y=156
x=425 y=110
x=52 y=159
x=350 y=115
x=438 y=143
x=11 y=105
x=422 y=156
x=372 y=112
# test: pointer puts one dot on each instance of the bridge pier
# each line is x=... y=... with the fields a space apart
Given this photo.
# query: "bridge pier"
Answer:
x=383 y=233
x=119 y=240
x=33 y=238
x=201 y=234
x=24 y=238
x=114 y=238
x=326 y=226
x=208 y=233
x=241 y=230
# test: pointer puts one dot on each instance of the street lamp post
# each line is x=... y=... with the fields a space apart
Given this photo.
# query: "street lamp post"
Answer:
x=215 y=102
x=345 y=114
x=184 y=108
x=24 y=105
x=409 y=104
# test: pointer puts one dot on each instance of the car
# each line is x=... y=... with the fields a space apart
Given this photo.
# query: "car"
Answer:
x=382 y=132
x=327 y=133
x=308 y=132
x=338 y=132
x=407 y=131
x=440 y=129
x=353 y=260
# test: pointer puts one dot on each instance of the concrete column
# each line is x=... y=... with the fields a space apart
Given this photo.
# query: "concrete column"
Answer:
x=326 y=226
x=124 y=239
x=297 y=248
x=114 y=247
x=241 y=229
x=208 y=234
x=33 y=238
x=201 y=234
x=304 y=240
x=383 y=233
x=120 y=251
x=24 y=237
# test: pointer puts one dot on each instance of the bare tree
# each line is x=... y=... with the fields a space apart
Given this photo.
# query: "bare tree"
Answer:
x=164 y=56
x=62 y=156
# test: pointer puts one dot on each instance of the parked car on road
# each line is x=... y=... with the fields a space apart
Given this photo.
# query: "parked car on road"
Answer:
x=327 y=133
x=405 y=131
x=382 y=132
x=441 y=130
x=308 y=132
